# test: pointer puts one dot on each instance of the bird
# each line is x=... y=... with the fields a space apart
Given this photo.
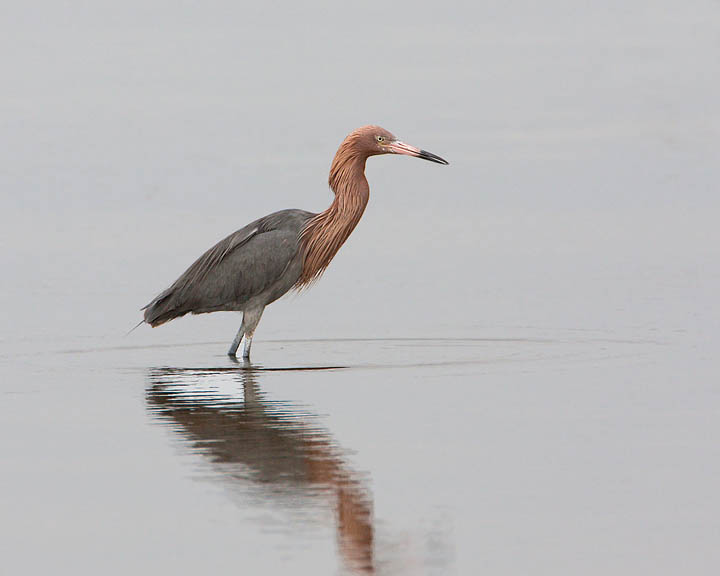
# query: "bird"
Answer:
x=282 y=251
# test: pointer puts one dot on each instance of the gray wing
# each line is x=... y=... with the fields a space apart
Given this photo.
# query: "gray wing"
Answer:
x=258 y=261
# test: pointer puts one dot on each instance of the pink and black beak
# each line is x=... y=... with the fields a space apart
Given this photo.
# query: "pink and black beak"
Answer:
x=397 y=147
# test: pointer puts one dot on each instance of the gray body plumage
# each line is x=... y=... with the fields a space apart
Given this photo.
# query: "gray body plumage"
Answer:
x=245 y=272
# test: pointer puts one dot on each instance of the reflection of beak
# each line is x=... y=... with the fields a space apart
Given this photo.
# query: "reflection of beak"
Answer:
x=398 y=147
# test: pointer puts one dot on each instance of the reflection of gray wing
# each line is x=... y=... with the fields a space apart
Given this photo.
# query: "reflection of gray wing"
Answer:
x=244 y=265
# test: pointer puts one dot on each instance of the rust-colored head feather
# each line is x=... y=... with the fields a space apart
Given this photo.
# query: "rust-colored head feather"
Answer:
x=324 y=234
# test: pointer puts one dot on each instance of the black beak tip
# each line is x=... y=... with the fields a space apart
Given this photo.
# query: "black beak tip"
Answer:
x=425 y=155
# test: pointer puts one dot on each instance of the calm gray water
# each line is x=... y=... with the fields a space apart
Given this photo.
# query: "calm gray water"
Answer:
x=510 y=368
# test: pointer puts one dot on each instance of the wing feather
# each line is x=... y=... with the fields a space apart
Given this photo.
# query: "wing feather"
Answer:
x=242 y=265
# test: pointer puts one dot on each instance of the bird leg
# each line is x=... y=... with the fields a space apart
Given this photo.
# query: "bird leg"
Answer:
x=236 y=341
x=251 y=318
x=247 y=342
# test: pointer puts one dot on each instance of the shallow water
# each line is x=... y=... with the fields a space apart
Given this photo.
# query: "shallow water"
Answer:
x=397 y=456
x=511 y=367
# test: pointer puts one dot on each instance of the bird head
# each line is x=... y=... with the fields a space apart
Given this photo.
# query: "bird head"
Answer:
x=374 y=140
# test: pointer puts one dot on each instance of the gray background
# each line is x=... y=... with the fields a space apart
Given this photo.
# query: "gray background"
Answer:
x=530 y=333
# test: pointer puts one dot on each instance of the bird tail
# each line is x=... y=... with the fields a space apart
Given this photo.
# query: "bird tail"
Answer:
x=163 y=309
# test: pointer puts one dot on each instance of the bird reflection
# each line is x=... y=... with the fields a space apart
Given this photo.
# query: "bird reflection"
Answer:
x=270 y=444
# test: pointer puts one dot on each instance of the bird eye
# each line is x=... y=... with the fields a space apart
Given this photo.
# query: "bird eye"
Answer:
x=380 y=138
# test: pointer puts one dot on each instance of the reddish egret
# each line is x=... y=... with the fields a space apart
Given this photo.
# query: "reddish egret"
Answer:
x=288 y=249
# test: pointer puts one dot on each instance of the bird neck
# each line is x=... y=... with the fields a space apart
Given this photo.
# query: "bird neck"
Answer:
x=325 y=233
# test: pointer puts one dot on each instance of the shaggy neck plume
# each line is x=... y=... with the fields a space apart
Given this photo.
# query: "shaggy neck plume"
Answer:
x=325 y=233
